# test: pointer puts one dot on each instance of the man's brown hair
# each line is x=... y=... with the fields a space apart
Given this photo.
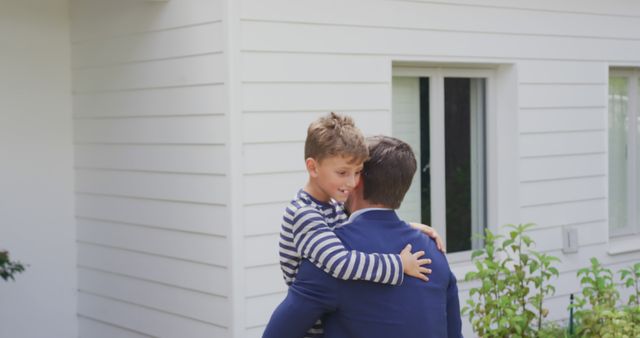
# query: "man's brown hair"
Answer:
x=335 y=135
x=388 y=172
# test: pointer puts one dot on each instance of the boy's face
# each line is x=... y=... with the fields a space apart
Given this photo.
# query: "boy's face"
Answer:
x=335 y=177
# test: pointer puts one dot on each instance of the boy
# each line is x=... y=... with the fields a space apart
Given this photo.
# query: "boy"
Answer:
x=335 y=151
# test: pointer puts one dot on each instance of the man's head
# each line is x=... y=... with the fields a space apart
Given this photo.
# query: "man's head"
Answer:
x=387 y=174
x=334 y=152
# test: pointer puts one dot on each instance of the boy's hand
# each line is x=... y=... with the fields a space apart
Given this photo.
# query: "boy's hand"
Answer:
x=412 y=264
x=431 y=232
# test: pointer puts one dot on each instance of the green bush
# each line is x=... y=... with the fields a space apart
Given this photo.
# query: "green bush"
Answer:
x=631 y=279
x=553 y=330
x=513 y=284
x=514 y=280
x=597 y=311
x=9 y=268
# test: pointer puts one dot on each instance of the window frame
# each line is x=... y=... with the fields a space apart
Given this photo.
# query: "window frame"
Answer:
x=621 y=235
x=436 y=77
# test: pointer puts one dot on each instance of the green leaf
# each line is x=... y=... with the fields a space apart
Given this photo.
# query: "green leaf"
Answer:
x=583 y=271
x=477 y=253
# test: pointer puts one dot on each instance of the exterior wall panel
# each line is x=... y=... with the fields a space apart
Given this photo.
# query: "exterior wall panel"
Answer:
x=151 y=138
x=37 y=224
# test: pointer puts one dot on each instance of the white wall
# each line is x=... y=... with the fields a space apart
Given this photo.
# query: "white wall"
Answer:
x=36 y=177
x=151 y=164
x=300 y=60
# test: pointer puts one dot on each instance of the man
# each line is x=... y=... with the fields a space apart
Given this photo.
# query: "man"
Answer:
x=364 y=309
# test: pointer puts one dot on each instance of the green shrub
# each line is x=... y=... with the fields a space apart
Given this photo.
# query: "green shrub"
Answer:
x=9 y=268
x=631 y=279
x=553 y=330
x=513 y=283
x=597 y=313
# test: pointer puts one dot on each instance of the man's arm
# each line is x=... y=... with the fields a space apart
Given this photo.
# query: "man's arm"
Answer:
x=454 y=322
x=315 y=241
x=311 y=295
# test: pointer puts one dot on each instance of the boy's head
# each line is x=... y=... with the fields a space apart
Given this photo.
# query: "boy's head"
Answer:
x=388 y=172
x=335 y=135
x=334 y=152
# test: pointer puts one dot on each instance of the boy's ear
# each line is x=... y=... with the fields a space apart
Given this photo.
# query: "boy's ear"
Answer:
x=312 y=167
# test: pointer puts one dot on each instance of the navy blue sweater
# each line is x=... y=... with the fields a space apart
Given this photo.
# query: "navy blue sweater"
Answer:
x=364 y=309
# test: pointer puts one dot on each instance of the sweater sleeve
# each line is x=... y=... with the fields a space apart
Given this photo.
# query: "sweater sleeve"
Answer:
x=454 y=322
x=315 y=241
x=312 y=294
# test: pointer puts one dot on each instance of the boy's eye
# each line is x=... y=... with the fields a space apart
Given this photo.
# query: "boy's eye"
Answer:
x=342 y=173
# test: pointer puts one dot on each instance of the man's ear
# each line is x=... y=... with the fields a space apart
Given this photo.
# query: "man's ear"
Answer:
x=312 y=167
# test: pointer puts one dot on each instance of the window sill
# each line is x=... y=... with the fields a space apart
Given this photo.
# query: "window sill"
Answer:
x=461 y=264
x=623 y=245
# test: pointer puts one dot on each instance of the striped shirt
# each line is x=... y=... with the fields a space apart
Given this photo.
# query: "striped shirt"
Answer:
x=307 y=232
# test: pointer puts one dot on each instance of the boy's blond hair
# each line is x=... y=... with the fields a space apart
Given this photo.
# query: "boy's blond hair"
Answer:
x=335 y=135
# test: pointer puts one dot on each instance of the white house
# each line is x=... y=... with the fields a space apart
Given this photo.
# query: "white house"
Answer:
x=147 y=148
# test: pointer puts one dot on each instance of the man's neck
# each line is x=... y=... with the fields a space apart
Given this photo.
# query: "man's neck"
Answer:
x=363 y=204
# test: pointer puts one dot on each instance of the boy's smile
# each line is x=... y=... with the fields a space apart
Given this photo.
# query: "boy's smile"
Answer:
x=333 y=177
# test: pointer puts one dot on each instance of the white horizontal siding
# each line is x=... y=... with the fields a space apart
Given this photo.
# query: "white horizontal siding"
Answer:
x=169 y=243
x=261 y=219
x=259 y=308
x=550 y=168
x=188 y=71
x=190 y=40
x=142 y=319
x=254 y=332
x=262 y=250
x=292 y=126
x=100 y=20
x=266 y=67
x=562 y=191
x=262 y=280
x=550 y=95
x=269 y=188
x=443 y=16
x=563 y=72
x=205 y=189
x=194 y=159
x=207 y=278
x=320 y=96
x=189 y=217
x=178 y=101
x=93 y=328
x=151 y=146
x=562 y=143
x=550 y=238
x=542 y=120
x=273 y=157
x=579 y=211
x=145 y=130
x=591 y=7
x=192 y=304
x=303 y=38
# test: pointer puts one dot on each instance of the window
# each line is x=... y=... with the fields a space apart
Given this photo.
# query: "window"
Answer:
x=624 y=152
x=442 y=114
